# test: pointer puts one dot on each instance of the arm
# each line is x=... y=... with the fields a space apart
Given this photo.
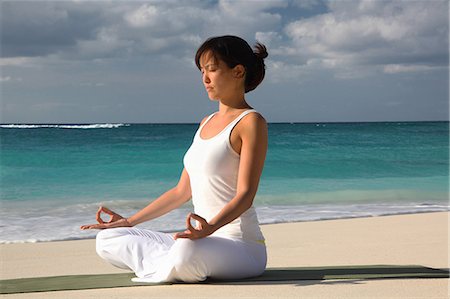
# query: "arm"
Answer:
x=254 y=138
x=168 y=201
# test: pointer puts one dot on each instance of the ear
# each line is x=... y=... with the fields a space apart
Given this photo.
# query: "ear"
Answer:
x=239 y=71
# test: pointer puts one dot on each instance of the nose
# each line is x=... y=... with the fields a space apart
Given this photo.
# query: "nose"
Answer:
x=205 y=78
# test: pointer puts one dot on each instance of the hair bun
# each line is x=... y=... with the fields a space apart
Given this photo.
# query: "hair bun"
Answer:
x=260 y=51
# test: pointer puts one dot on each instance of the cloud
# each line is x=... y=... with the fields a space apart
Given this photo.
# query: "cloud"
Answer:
x=41 y=28
x=270 y=39
x=5 y=79
x=373 y=34
x=239 y=8
x=144 y=16
x=402 y=68
x=350 y=38
x=15 y=61
x=10 y=79
x=101 y=30
x=92 y=84
x=305 y=4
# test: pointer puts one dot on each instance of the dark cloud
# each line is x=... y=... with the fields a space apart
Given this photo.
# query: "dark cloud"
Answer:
x=41 y=28
x=64 y=58
x=91 y=30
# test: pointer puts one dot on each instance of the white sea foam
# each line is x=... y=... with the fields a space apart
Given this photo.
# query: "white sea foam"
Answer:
x=50 y=222
x=84 y=126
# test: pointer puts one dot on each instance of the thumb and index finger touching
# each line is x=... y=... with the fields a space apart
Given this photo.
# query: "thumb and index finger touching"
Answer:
x=201 y=220
x=105 y=210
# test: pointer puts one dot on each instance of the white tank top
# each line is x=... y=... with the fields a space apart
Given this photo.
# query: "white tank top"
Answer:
x=213 y=165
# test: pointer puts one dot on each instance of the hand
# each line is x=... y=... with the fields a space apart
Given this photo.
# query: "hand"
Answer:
x=203 y=228
x=113 y=215
x=115 y=220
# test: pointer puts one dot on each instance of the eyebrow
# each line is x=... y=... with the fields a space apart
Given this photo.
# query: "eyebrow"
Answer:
x=208 y=65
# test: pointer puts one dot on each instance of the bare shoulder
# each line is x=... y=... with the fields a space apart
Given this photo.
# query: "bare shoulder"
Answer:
x=253 y=123
x=254 y=119
x=204 y=119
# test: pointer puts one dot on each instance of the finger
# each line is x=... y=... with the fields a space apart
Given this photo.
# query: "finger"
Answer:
x=176 y=235
x=199 y=218
x=201 y=223
x=106 y=210
x=95 y=226
x=98 y=216
x=188 y=222
x=86 y=226
x=111 y=219
x=111 y=214
x=89 y=226
x=183 y=235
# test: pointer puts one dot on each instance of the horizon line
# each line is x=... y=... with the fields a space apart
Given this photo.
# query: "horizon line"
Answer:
x=194 y=123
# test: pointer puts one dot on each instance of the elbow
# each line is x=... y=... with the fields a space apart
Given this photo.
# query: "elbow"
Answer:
x=248 y=205
x=247 y=198
x=182 y=194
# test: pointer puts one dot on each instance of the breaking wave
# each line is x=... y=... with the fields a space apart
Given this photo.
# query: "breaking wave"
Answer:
x=84 y=126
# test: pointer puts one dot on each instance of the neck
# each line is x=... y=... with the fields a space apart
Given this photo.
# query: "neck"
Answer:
x=225 y=109
x=230 y=107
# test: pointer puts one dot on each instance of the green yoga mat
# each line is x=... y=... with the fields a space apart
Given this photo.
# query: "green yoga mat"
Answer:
x=80 y=282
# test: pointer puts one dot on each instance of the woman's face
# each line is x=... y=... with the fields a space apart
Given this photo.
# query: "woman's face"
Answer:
x=219 y=80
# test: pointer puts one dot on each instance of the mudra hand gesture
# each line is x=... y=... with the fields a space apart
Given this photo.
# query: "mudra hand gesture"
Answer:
x=115 y=220
x=202 y=230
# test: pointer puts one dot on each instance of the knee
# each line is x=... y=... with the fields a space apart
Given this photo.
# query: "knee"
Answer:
x=105 y=238
x=100 y=242
x=183 y=252
x=187 y=262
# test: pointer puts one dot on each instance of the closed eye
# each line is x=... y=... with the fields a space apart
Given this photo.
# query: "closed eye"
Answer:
x=209 y=68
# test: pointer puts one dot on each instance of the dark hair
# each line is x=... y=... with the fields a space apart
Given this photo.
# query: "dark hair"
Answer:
x=234 y=50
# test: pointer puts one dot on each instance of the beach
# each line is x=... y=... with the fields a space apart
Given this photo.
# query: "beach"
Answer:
x=344 y=160
x=399 y=240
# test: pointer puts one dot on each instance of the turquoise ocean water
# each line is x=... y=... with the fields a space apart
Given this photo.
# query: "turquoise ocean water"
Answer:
x=53 y=177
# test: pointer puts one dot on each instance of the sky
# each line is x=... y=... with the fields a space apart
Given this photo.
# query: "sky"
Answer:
x=133 y=61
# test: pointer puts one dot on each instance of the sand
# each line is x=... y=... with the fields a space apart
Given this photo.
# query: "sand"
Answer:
x=414 y=239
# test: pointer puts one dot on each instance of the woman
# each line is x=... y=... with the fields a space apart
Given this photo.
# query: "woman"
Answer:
x=221 y=175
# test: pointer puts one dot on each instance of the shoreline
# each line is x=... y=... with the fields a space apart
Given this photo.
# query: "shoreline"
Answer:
x=339 y=217
x=397 y=240
x=268 y=229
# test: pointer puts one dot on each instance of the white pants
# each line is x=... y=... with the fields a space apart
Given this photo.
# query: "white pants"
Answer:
x=157 y=257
